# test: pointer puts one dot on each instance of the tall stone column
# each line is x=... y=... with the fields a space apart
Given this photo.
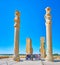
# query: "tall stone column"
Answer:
x=16 y=36
x=29 y=49
x=48 y=35
x=42 y=47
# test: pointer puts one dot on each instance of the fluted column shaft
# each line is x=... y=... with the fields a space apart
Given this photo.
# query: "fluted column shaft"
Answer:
x=16 y=36
x=48 y=35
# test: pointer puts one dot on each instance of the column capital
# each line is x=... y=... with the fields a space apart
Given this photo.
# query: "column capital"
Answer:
x=17 y=19
x=47 y=15
x=47 y=10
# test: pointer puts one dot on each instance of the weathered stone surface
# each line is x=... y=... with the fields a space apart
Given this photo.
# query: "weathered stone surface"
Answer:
x=48 y=35
x=29 y=49
x=16 y=36
x=42 y=48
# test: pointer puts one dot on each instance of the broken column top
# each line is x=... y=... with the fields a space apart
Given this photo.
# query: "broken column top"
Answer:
x=48 y=10
x=47 y=15
x=17 y=13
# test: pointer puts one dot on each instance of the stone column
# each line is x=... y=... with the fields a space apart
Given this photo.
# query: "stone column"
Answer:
x=42 y=48
x=29 y=49
x=16 y=36
x=48 y=35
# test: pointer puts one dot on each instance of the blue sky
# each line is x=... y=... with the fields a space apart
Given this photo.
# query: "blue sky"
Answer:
x=32 y=24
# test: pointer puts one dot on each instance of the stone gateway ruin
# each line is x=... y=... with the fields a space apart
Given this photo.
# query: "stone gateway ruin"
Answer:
x=45 y=53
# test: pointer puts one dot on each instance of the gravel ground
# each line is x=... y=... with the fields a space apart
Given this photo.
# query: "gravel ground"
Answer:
x=10 y=61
